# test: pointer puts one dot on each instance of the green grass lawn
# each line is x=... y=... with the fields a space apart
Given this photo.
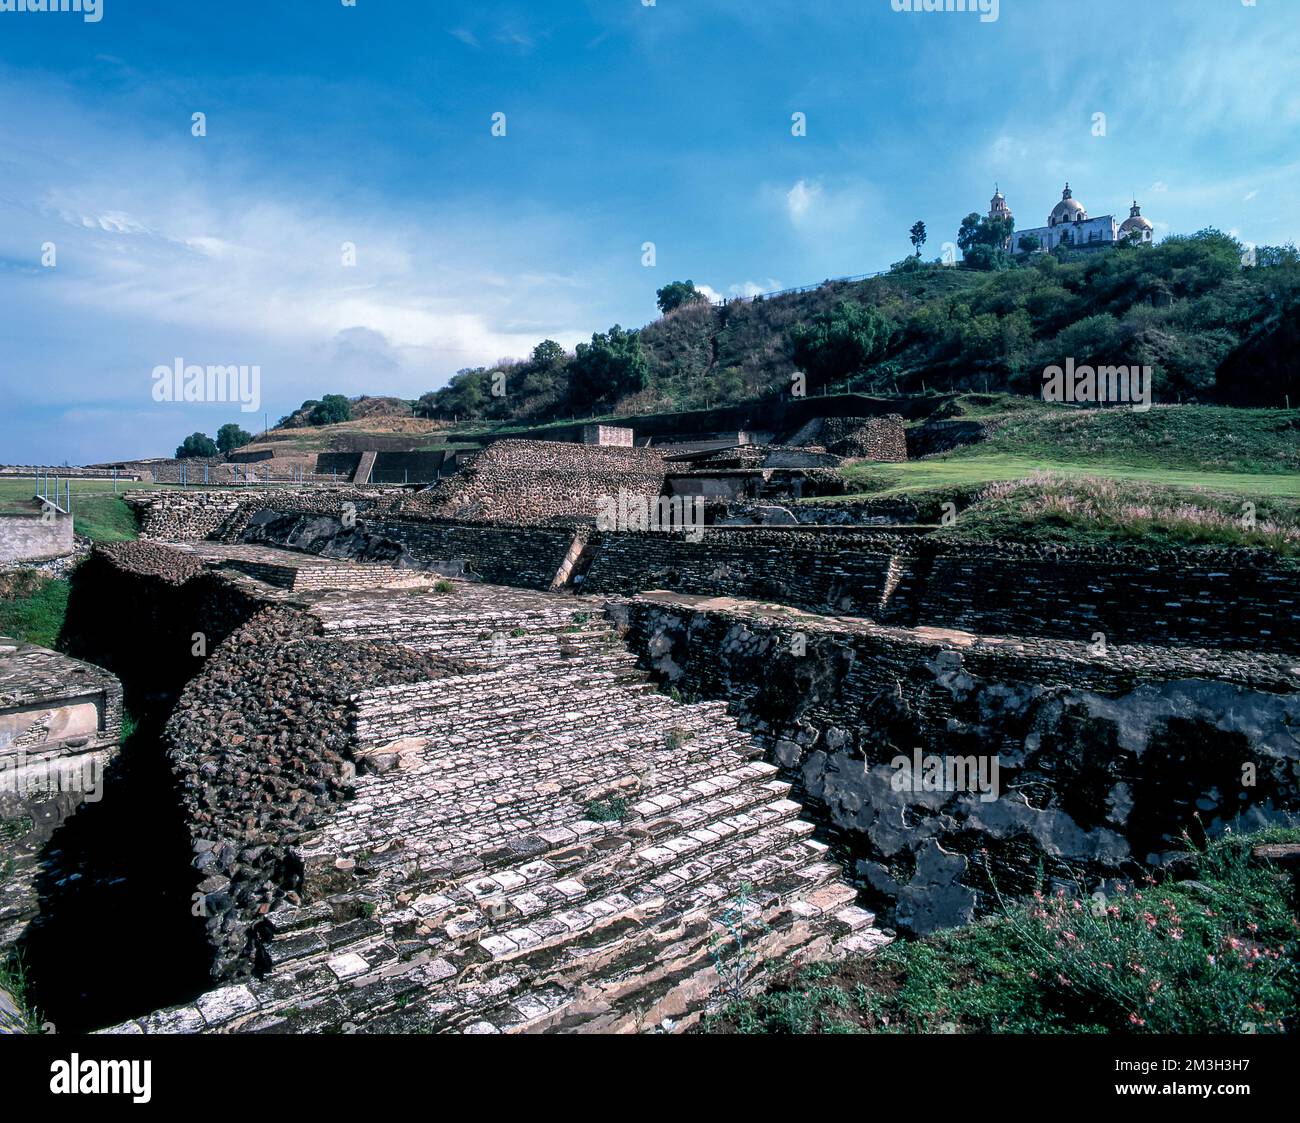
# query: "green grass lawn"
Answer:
x=33 y=607
x=1182 y=475
x=1246 y=452
x=97 y=511
x=975 y=468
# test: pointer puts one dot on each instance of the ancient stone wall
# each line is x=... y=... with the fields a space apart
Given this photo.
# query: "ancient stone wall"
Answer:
x=1196 y=596
x=183 y=516
x=525 y=556
x=616 y=436
x=1210 y=597
x=60 y=722
x=532 y=481
x=1103 y=759
x=261 y=743
x=812 y=569
x=870 y=438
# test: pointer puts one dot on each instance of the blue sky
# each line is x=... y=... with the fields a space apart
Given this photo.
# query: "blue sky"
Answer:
x=626 y=124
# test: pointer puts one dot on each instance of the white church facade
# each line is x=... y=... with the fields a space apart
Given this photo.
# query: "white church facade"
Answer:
x=1070 y=225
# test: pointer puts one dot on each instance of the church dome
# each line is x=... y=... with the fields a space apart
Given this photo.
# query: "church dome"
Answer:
x=1069 y=209
x=1135 y=221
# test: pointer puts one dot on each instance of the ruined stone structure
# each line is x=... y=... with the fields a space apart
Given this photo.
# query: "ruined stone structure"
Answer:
x=1210 y=597
x=1105 y=753
x=486 y=818
x=867 y=438
x=60 y=722
x=609 y=436
x=505 y=829
x=532 y=481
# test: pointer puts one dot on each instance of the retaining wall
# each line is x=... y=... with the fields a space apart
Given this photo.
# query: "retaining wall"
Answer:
x=1103 y=760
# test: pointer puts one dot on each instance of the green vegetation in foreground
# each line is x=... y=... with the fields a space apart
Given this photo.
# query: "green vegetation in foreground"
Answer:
x=33 y=607
x=1219 y=954
x=13 y=981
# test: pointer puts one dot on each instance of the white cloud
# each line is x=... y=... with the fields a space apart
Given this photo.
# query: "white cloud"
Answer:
x=160 y=256
x=800 y=199
x=753 y=288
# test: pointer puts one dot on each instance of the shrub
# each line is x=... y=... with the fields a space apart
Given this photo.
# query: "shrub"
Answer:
x=196 y=444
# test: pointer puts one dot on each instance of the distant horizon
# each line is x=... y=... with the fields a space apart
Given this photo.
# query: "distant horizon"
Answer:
x=327 y=127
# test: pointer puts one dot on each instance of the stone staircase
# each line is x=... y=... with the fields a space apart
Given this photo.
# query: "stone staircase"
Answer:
x=543 y=843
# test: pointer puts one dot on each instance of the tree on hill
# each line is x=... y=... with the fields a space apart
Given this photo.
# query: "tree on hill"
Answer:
x=1029 y=244
x=231 y=437
x=331 y=409
x=843 y=341
x=196 y=444
x=548 y=353
x=983 y=240
x=918 y=236
x=608 y=368
x=677 y=293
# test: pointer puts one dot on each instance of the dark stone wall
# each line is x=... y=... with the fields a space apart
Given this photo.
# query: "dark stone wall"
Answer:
x=1201 y=597
x=815 y=570
x=528 y=557
x=1211 y=598
x=1104 y=761
x=1207 y=597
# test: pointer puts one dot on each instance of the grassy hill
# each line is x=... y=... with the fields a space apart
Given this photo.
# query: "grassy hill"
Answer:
x=1210 y=330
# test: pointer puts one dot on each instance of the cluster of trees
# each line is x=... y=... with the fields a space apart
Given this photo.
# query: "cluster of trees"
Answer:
x=848 y=338
x=549 y=383
x=554 y=383
x=229 y=438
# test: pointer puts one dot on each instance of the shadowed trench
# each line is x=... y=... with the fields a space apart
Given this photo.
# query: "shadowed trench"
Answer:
x=115 y=936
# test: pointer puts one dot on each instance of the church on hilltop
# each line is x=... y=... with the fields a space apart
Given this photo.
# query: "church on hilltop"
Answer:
x=1069 y=225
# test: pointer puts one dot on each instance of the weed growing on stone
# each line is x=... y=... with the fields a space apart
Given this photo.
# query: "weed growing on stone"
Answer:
x=606 y=810
x=444 y=587
x=14 y=983
x=676 y=737
x=11 y=830
x=732 y=946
